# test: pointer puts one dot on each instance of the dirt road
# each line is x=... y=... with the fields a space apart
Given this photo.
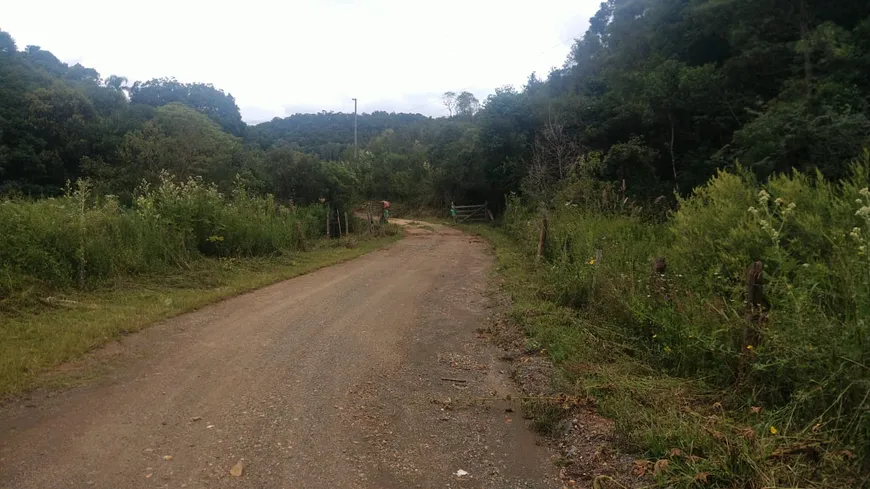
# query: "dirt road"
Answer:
x=333 y=379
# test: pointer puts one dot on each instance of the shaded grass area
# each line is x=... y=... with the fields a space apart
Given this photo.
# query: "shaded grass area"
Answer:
x=688 y=433
x=62 y=328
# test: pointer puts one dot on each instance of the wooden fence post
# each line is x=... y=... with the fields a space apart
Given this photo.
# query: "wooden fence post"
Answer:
x=658 y=286
x=338 y=220
x=543 y=239
x=754 y=301
x=300 y=236
x=754 y=312
x=660 y=265
x=328 y=211
x=346 y=224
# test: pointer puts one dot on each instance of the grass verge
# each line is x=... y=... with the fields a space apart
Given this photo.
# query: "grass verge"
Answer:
x=63 y=328
x=684 y=430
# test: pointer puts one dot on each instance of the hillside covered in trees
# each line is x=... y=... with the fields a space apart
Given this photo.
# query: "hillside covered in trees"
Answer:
x=60 y=123
x=657 y=93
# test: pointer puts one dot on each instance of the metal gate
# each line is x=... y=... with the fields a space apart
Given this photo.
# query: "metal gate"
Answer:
x=471 y=213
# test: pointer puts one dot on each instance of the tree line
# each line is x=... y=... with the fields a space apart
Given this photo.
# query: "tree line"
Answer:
x=656 y=96
x=60 y=123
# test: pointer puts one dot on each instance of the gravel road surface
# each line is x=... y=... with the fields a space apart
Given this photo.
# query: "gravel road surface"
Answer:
x=330 y=380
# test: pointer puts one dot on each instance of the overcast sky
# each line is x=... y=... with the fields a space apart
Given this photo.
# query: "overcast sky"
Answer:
x=282 y=57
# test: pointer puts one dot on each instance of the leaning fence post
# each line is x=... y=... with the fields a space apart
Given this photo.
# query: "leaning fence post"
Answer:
x=542 y=240
x=338 y=220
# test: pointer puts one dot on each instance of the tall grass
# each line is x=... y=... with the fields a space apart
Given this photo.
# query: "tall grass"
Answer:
x=83 y=240
x=802 y=366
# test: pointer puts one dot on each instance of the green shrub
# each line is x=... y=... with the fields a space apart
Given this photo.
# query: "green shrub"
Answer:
x=805 y=359
x=81 y=240
x=811 y=353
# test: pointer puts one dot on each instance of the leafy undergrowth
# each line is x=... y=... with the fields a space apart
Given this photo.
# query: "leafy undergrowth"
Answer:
x=61 y=328
x=84 y=240
x=689 y=433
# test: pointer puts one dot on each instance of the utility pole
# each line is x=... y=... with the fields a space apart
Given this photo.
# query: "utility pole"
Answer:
x=355 y=144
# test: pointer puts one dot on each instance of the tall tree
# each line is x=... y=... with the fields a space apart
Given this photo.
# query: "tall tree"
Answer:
x=7 y=43
x=117 y=82
x=205 y=98
x=181 y=141
x=449 y=101
x=467 y=105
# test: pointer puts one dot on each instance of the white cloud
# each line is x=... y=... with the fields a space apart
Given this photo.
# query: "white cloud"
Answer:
x=391 y=54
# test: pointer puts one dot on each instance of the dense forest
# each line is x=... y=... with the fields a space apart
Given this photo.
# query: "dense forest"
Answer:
x=712 y=134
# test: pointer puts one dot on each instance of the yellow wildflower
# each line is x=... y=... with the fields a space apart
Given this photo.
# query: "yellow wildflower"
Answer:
x=749 y=347
x=773 y=430
x=591 y=261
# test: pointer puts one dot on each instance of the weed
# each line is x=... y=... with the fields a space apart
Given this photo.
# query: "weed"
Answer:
x=81 y=241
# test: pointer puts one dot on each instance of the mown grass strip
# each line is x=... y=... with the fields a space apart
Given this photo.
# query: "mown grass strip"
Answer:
x=64 y=328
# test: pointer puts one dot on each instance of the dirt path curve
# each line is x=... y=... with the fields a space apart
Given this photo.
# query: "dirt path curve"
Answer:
x=329 y=380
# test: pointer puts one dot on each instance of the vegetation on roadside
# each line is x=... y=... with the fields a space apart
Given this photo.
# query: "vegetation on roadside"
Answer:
x=85 y=240
x=79 y=270
x=774 y=398
x=49 y=330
